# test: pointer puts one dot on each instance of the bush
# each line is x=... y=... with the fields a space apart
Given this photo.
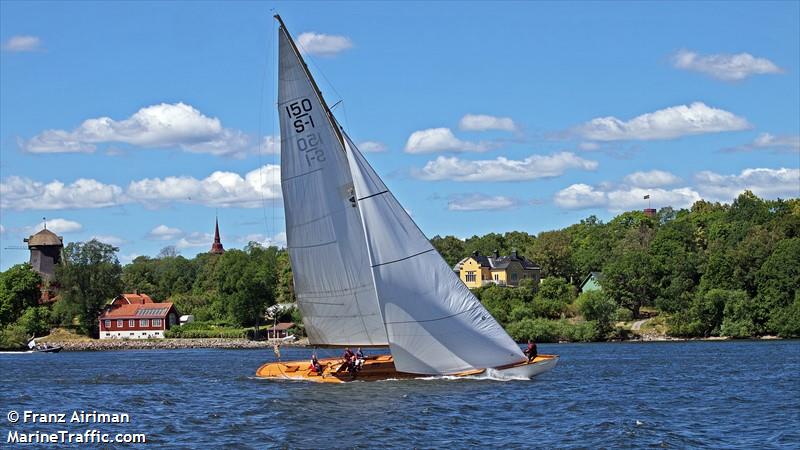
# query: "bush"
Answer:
x=36 y=321
x=786 y=321
x=623 y=315
x=544 y=330
x=13 y=337
x=596 y=306
x=739 y=317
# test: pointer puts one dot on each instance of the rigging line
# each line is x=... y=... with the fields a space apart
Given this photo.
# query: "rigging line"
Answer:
x=275 y=142
x=259 y=143
x=403 y=259
x=435 y=320
x=374 y=195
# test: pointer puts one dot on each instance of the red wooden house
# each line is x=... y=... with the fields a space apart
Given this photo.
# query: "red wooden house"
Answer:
x=137 y=319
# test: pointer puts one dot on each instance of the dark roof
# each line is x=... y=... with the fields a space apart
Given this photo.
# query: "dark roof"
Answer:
x=281 y=326
x=44 y=237
x=499 y=262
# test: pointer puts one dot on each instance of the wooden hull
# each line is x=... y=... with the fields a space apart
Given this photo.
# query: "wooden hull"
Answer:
x=381 y=367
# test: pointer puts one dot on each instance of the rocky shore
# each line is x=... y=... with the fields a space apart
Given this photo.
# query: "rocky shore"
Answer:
x=167 y=344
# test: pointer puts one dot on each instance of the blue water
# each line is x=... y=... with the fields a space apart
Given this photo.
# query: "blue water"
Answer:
x=669 y=395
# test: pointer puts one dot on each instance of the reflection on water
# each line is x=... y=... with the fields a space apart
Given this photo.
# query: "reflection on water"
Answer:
x=694 y=394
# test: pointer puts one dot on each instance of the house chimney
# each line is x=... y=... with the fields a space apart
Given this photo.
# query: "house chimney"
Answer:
x=496 y=253
x=476 y=253
x=514 y=254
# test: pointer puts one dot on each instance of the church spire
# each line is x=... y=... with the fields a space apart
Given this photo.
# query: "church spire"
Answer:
x=216 y=247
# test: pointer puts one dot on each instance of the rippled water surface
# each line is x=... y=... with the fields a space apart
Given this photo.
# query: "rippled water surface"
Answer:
x=673 y=395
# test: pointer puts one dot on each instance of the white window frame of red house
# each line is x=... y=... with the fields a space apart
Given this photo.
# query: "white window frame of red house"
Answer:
x=120 y=323
x=156 y=322
x=131 y=323
x=108 y=324
x=144 y=323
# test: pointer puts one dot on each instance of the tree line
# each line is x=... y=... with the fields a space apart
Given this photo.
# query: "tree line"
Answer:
x=713 y=269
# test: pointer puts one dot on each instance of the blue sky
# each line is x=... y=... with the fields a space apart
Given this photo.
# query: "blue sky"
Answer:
x=136 y=122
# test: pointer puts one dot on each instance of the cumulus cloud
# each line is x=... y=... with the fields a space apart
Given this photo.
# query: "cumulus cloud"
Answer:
x=441 y=140
x=195 y=239
x=279 y=240
x=271 y=145
x=481 y=202
x=668 y=123
x=222 y=189
x=22 y=43
x=767 y=183
x=483 y=122
x=164 y=233
x=323 y=44
x=503 y=169
x=23 y=193
x=218 y=189
x=164 y=125
x=725 y=67
x=109 y=239
x=56 y=226
x=653 y=178
x=372 y=147
x=580 y=196
x=767 y=141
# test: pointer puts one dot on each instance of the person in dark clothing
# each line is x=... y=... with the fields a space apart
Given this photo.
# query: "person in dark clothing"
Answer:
x=531 y=351
x=315 y=364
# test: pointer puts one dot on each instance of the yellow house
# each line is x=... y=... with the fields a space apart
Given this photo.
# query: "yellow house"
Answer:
x=479 y=270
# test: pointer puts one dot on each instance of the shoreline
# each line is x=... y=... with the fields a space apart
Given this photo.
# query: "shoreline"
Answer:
x=243 y=344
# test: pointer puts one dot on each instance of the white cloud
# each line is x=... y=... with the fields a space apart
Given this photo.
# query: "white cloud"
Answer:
x=23 y=44
x=279 y=240
x=323 y=44
x=767 y=141
x=164 y=125
x=218 y=189
x=668 y=123
x=767 y=183
x=195 y=239
x=271 y=145
x=2 y=229
x=441 y=140
x=579 y=196
x=109 y=239
x=481 y=202
x=653 y=178
x=503 y=169
x=483 y=122
x=164 y=233
x=372 y=147
x=56 y=226
x=24 y=193
x=724 y=66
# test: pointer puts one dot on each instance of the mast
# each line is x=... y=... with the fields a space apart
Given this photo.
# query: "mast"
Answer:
x=331 y=119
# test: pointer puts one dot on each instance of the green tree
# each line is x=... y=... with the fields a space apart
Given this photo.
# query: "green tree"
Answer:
x=19 y=289
x=596 y=306
x=740 y=316
x=450 y=247
x=89 y=277
x=631 y=280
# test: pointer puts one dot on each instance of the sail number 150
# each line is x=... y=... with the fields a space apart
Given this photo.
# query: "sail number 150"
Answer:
x=300 y=112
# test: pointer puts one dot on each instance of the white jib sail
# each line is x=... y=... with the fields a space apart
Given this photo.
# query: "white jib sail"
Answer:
x=330 y=264
x=434 y=323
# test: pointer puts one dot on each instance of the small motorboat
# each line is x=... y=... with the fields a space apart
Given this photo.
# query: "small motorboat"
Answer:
x=47 y=349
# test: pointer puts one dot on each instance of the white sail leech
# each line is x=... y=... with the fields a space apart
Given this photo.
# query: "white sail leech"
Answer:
x=435 y=325
x=333 y=286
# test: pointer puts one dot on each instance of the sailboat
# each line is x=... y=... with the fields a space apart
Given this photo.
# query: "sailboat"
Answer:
x=364 y=274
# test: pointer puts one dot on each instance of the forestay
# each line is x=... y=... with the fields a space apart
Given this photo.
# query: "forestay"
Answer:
x=330 y=264
x=435 y=325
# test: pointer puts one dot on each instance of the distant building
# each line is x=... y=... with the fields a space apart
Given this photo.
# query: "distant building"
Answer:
x=46 y=248
x=216 y=247
x=137 y=320
x=650 y=212
x=479 y=270
x=592 y=282
x=280 y=330
x=129 y=299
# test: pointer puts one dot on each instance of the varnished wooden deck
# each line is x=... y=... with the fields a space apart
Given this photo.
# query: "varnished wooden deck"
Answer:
x=375 y=368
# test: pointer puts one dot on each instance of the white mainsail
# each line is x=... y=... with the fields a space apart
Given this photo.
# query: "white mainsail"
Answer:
x=333 y=285
x=435 y=325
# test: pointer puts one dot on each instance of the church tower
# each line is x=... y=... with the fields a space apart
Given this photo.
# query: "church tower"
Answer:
x=216 y=247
